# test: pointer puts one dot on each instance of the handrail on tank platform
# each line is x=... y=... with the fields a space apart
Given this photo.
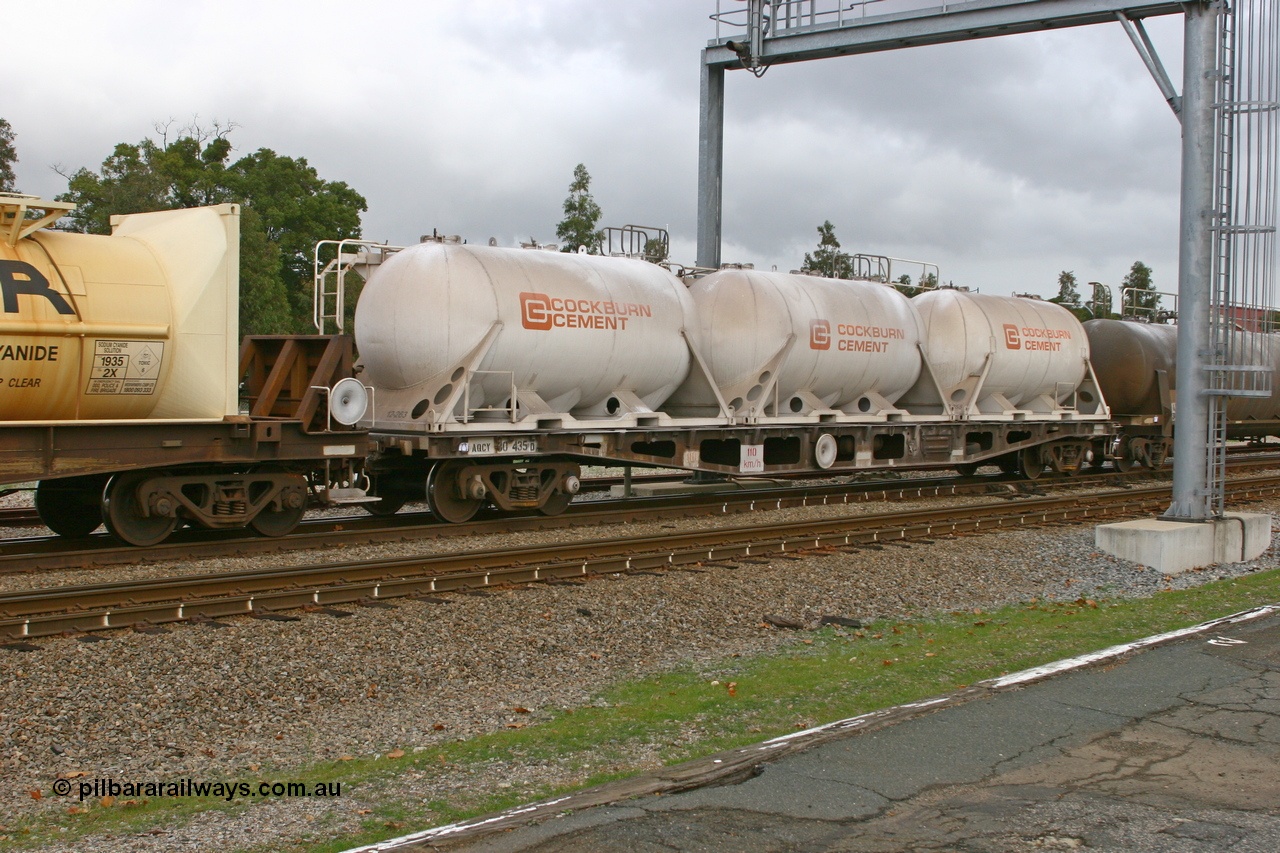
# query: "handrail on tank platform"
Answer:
x=339 y=266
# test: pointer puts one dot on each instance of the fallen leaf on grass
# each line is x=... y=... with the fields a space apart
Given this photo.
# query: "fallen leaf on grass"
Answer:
x=396 y=753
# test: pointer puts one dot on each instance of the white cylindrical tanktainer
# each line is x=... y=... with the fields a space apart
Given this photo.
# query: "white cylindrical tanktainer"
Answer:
x=805 y=342
x=141 y=324
x=992 y=354
x=589 y=335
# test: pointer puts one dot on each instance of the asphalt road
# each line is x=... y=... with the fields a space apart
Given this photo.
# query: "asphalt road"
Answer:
x=1173 y=748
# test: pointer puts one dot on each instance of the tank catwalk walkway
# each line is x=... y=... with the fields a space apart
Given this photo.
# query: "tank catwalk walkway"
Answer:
x=1170 y=746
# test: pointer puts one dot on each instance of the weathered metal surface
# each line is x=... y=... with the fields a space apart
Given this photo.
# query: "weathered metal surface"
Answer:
x=36 y=451
x=446 y=329
x=983 y=349
x=138 y=324
x=792 y=343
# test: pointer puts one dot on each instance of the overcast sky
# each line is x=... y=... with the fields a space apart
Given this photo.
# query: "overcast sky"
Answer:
x=1003 y=161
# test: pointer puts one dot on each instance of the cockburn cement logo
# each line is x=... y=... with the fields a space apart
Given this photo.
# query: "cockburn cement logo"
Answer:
x=1034 y=338
x=540 y=311
x=819 y=334
x=852 y=337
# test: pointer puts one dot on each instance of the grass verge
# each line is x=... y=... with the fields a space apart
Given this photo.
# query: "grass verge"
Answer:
x=668 y=718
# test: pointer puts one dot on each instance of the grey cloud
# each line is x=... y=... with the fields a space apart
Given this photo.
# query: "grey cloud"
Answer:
x=1004 y=160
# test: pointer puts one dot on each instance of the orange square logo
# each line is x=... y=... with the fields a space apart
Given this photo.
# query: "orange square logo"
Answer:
x=819 y=334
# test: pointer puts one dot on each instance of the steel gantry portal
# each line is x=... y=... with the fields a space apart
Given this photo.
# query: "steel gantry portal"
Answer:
x=774 y=32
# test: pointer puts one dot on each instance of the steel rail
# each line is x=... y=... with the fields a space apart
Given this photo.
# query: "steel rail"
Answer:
x=20 y=516
x=256 y=592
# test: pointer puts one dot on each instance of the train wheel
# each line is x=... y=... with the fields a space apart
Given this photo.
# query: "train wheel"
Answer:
x=1124 y=460
x=1030 y=463
x=274 y=522
x=444 y=498
x=556 y=504
x=391 y=503
x=123 y=516
x=1009 y=463
x=392 y=499
x=967 y=469
x=70 y=507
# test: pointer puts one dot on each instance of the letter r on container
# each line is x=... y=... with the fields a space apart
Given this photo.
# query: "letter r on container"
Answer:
x=534 y=312
x=819 y=334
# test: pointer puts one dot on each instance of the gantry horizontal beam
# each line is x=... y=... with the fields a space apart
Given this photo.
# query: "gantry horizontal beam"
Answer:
x=937 y=25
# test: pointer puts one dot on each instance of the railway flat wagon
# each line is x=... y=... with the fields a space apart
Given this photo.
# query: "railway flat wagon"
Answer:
x=127 y=396
x=496 y=373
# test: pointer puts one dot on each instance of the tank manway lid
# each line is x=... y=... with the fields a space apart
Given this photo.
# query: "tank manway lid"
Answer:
x=15 y=222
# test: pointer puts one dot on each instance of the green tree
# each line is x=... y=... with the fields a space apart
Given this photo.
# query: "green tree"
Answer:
x=1068 y=293
x=1140 y=299
x=581 y=216
x=150 y=175
x=1069 y=296
x=8 y=156
x=655 y=250
x=286 y=208
x=297 y=209
x=903 y=285
x=264 y=301
x=827 y=259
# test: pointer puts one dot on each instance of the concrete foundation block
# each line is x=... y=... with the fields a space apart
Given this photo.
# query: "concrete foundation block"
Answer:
x=1173 y=547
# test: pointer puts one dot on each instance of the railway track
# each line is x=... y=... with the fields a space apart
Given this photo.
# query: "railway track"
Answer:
x=266 y=592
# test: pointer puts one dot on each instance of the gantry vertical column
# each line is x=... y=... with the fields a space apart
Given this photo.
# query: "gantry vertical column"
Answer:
x=1195 y=263
x=710 y=163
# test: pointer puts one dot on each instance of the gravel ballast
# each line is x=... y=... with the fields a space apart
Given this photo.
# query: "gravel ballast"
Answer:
x=251 y=698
